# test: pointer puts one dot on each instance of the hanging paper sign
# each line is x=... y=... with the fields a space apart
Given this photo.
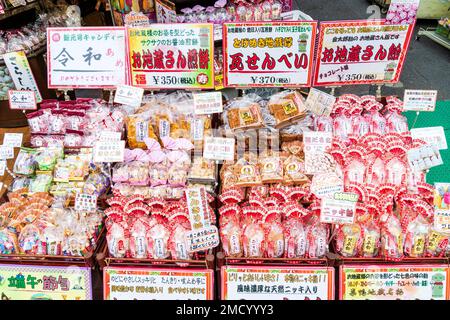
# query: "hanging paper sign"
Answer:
x=109 y=151
x=388 y=282
x=208 y=102
x=402 y=11
x=110 y=136
x=6 y=152
x=20 y=71
x=319 y=102
x=360 y=52
x=442 y=207
x=129 y=95
x=431 y=135
x=317 y=141
x=2 y=167
x=218 y=148
x=22 y=100
x=424 y=157
x=88 y=57
x=85 y=202
x=202 y=239
x=419 y=100
x=13 y=139
x=277 y=283
x=325 y=185
x=268 y=54
x=126 y=283
x=165 y=11
x=26 y=282
x=198 y=207
x=340 y=209
x=172 y=56
x=136 y=19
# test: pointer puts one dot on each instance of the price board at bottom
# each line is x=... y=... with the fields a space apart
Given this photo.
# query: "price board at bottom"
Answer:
x=277 y=283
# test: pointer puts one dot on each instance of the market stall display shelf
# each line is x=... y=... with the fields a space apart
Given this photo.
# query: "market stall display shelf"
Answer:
x=10 y=12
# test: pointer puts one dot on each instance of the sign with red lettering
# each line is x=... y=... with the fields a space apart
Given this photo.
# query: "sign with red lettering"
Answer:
x=360 y=52
x=269 y=54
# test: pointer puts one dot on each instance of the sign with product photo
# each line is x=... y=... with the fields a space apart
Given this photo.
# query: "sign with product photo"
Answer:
x=360 y=52
x=88 y=57
x=269 y=54
x=442 y=206
x=171 y=56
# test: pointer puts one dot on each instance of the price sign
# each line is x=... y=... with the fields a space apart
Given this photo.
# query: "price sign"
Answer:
x=136 y=19
x=22 y=100
x=325 y=185
x=277 y=283
x=319 y=102
x=390 y=282
x=419 y=100
x=198 y=207
x=340 y=209
x=360 y=52
x=431 y=135
x=13 y=139
x=172 y=56
x=110 y=136
x=442 y=207
x=218 y=148
x=267 y=54
x=20 y=71
x=129 y=95
x=202 y=239
x=88 y=57
x=109 y=151
x=6 y=152
x=208 y=102
x=85 y=202
x=2 y=167
x=130 y=283
x=165 y=11
x=424 y=157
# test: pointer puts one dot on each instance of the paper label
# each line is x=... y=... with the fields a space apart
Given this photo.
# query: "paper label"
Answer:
x=419 y=100
x=109 y=151
x=431 y=135
x=129 y=95
x=6 y=152
x=85 y=202
x=218 y=148
x=340 y=210
x=13 y=139
x=22 y=100
x=319 y=102
x=208 y=102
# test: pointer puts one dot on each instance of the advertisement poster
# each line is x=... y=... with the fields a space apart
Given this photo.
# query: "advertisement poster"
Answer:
x=360 y=52
x=172 y=56
x=388 y=282
x=25 y=282
x=88 y=57
x=277 y=283
x=268 y=54
x=157 y=284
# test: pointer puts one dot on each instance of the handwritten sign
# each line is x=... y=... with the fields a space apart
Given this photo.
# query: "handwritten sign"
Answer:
x=277 y=283
x=85 y=202
x=325 y=185
x=197 y=204
x=26 y=282
x=202 y=239
x=165 y=11
x=340 y=209
x=419 y=100
x=2 y=167
x=129 y=283
x=13 y=139
x=388 y=282
x=110 y=136
x=172 y=56
x=6 y=152
x=20 y=71
x=360 y=52
x=431 y=135
x=424 y=157
x=208 y=102
x=88 y=57
x=319 y=102
x=268 y=54
x=109 y=151
x=218 y=148
x=129 y=95
x=22 y=100
x=136 y=19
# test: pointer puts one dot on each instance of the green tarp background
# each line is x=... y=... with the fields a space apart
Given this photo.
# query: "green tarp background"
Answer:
x=440 y=117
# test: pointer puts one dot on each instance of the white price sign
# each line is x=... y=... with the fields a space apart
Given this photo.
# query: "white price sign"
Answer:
x=2 y=167
x=218 y=148
x=419 y=100
x=202 y=239
x=431 y=135
x=424 y=157
x=22 y=100
x=13 y=139
x=110 y=136
x=85 y=202
x=208 y=102
x=316 y=141
x=6 y=152
x=109 y=151
x=319 y=102
x=340 y=209
x=129 y=95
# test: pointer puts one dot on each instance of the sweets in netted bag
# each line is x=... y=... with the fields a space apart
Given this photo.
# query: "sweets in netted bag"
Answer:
x=286 y=107
x=139 y=127
x=243 y=113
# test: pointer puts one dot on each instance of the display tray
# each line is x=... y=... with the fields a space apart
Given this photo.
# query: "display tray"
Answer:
x=87 y=260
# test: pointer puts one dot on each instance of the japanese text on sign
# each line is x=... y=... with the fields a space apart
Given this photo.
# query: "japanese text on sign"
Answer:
x=442 y=206
x=165 y=11
x=277 y=283
x=198 y=207
x=208 y=102
x=262 y=54
x=88 y=57
x=202 y=239
x=424 y=157
x=129 y=95
x=2 y=168
x=385 y=282
x=23 y=282
x=85 y=202
x=109 y=151
x=319 y=102
x=165 y=56
x=6 y=152
x=13 y=139
x=431 y=135
x=22 y=100
x=20 y=71
x=340 y=209
x=218 y=148
x=161 y=284
x=419 y=100
x=360 y=52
